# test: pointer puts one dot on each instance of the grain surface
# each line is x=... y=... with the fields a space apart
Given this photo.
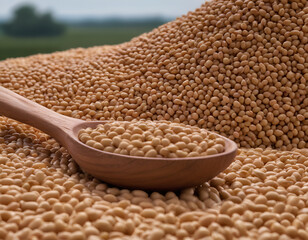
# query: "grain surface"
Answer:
x=239 y=68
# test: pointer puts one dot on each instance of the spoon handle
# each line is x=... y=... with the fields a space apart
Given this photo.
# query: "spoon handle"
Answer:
x=26 y=111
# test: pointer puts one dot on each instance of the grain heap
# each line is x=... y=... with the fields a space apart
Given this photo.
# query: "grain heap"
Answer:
x=152 y=139
x=236 y=67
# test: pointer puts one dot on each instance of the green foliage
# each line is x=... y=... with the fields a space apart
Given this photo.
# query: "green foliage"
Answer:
x=28 y=23
x=73 y=38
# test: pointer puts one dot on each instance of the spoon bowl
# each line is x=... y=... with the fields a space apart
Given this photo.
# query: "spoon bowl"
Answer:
x=121 y=170
x=144 y=172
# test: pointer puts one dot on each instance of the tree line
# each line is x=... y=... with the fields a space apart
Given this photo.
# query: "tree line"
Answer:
x=27 y=22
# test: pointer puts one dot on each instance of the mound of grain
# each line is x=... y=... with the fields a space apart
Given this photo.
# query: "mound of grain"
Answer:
x=152 y=139
x=239 y=68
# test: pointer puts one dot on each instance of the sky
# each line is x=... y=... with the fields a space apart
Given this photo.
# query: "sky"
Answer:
x=76 y=9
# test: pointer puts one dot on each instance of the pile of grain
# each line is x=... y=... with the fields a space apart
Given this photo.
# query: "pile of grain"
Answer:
x=152 y=139
x=236 y=67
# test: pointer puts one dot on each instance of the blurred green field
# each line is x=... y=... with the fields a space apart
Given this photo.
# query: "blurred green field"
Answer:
x=74 y=37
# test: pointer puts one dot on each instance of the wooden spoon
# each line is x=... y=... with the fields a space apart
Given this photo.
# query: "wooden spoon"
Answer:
x=121 y=170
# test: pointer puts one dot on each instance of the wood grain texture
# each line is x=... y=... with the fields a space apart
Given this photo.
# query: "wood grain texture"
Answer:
x=120 y=170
